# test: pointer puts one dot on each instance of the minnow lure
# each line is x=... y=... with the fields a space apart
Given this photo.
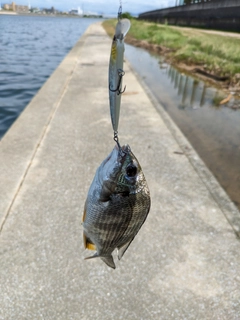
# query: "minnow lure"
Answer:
x=116 y=70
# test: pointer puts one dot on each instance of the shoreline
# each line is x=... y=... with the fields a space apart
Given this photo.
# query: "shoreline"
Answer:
x=8 y=12
x=49 y=15
x=193 y=69
x=213 y=75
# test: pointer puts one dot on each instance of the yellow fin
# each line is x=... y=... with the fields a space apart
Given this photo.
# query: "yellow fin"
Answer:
x=84 y=213
x=91 y=246
x=87 y=243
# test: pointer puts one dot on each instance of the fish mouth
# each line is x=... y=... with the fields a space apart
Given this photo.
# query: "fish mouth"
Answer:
x=125 y=148
x=117 y=155
x=123 y=151
x=111 y=167
x=112 y=157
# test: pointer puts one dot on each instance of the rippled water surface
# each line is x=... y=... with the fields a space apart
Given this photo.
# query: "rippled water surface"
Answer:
x=31 y=47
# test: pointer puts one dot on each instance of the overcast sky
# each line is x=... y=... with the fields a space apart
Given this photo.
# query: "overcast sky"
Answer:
x=108 y=7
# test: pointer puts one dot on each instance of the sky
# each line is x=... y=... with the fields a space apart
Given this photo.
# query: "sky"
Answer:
x=105 y=7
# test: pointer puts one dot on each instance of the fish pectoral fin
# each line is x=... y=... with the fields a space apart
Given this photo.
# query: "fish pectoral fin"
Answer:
x=108 y=259
x=106 y=192
x=88 y=244
x=84 y=212
x=123 y=249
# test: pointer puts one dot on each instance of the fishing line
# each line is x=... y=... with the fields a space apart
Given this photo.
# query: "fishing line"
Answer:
x=120 y=10
x=115 y=138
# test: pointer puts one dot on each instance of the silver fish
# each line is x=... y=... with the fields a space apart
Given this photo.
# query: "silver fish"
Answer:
x=117 y=205
x=116 y=72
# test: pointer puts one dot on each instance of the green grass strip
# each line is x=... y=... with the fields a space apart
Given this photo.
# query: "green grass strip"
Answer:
x=218 y=54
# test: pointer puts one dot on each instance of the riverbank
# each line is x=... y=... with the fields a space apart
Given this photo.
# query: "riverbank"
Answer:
x=8 y=12
x=211 y=57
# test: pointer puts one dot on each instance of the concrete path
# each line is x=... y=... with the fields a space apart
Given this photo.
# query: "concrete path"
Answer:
x=185 y=261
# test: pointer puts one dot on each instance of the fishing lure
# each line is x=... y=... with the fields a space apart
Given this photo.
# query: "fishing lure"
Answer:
x=116 y=71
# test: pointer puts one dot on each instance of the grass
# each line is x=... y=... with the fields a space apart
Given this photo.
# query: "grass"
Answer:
x=218 y=54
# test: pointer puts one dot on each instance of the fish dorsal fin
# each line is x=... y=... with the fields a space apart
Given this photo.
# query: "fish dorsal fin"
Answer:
x=122 y=27
x=123 y=249
x=88 y=243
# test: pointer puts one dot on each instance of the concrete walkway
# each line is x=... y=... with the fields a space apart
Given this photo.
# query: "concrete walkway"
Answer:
x=185 y=261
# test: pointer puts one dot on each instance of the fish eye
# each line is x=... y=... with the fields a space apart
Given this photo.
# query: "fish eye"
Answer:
x=131 y=170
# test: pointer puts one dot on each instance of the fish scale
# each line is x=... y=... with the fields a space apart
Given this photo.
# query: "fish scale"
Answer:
x=110 y=223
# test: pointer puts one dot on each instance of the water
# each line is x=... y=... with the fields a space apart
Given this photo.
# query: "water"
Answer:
x=31 y=47
x=214 y=132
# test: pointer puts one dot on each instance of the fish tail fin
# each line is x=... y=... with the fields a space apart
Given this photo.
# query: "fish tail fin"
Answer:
x=123 y=249
x=108 y=259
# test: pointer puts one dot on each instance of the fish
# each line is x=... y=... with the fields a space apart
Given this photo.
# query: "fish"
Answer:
x=117 y=205
x=115 y=71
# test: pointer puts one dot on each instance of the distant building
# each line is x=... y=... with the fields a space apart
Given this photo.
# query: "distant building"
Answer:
x=80 y=11
x=77 y=11
x=21 y=9
x=73 y=11
x=35 y=10
x=50 y=11
x=6 y=6
x=16 y=8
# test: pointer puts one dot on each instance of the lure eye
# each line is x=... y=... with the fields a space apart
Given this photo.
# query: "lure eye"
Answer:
x=131 y=170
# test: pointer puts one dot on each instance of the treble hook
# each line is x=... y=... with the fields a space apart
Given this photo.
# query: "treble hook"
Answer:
x=121 y=73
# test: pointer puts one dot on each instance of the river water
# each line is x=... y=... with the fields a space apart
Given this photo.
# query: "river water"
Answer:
x=31 y=47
